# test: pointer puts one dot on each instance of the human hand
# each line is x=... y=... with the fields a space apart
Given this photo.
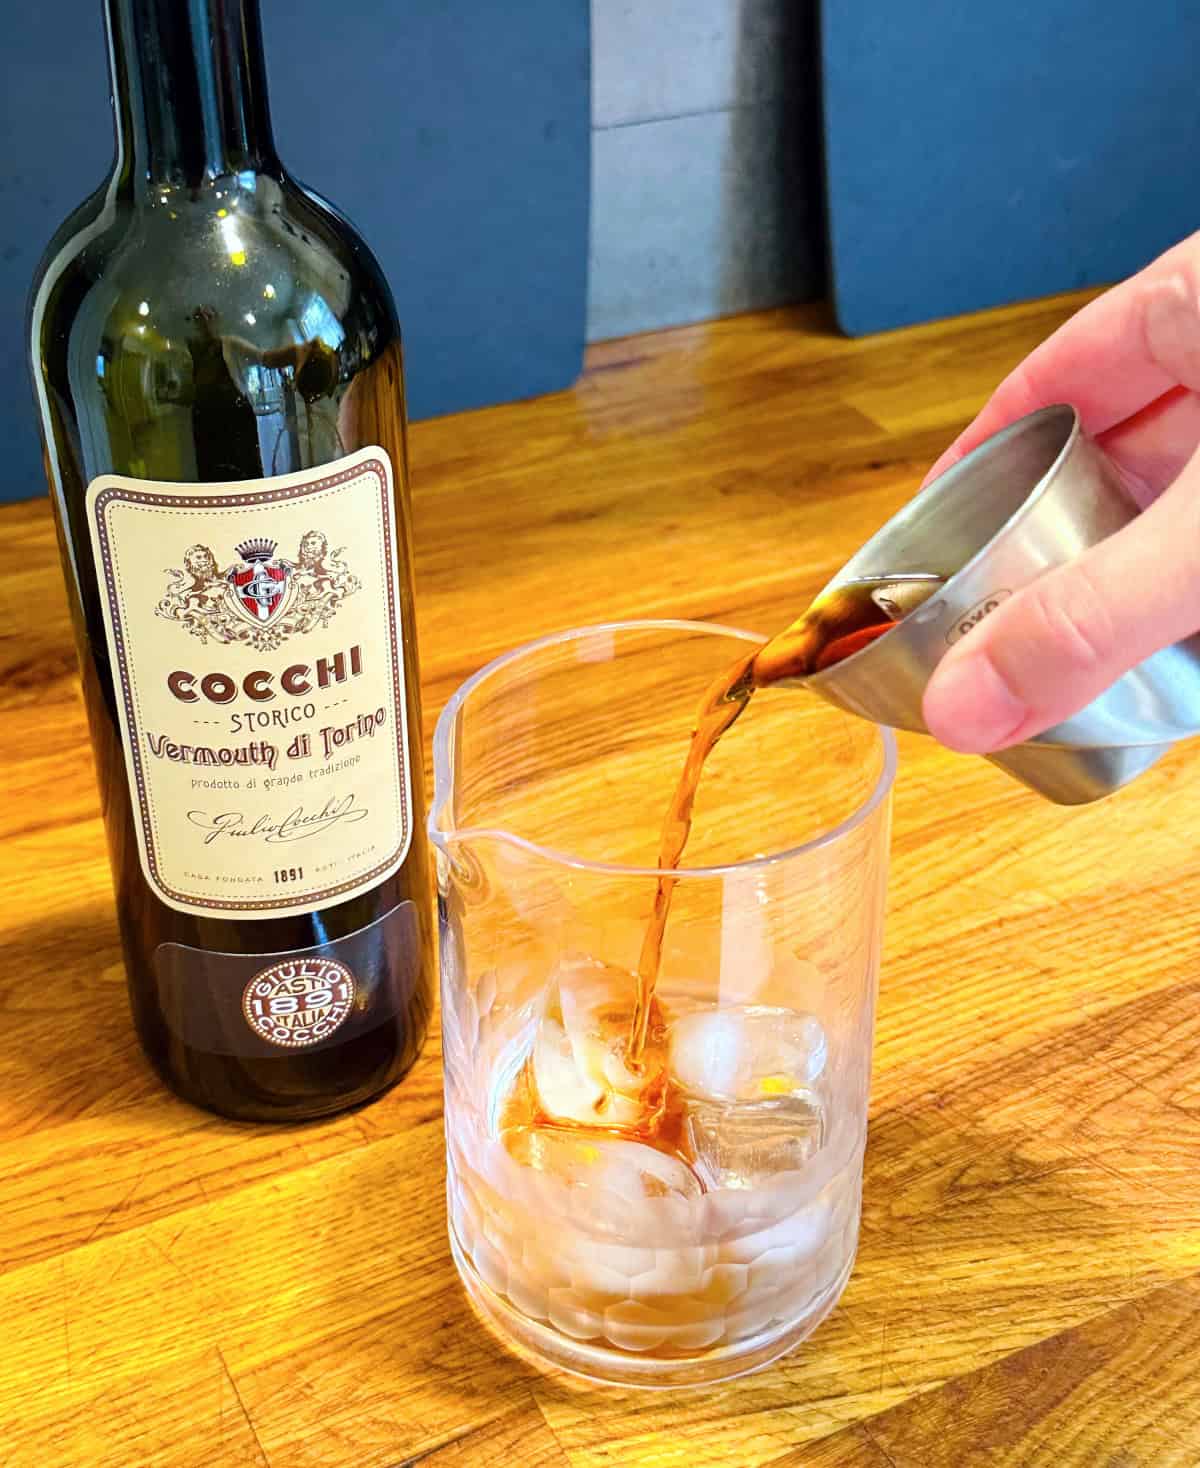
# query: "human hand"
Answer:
x=1129 y=362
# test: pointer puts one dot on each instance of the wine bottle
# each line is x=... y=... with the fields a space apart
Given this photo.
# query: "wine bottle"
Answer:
x=217 y=365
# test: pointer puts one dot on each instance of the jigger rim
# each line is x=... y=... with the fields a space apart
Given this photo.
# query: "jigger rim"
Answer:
x=443 y=832
x=917 y=507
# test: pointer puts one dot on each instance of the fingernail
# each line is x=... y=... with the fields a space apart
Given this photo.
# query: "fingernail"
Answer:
x=969 y=706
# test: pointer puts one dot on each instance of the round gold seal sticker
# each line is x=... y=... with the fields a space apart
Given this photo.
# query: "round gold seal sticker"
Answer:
x=298 y=1001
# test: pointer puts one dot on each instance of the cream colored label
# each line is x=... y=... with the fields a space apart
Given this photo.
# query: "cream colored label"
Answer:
x=254 y=634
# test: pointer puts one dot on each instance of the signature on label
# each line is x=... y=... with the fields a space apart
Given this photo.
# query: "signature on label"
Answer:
x=297 y=825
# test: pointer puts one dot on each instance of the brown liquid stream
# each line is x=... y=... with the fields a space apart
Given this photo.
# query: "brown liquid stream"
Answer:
x=838 y=624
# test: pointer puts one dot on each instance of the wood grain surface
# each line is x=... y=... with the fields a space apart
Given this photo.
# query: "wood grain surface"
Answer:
x=177 y=1290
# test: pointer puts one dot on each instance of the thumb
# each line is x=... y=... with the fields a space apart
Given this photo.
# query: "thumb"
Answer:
x=1053 y=647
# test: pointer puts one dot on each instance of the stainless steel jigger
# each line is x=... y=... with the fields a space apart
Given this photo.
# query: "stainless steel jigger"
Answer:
x=1032 y=497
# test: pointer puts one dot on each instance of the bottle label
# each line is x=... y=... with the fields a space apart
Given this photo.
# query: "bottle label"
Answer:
x=255 y=642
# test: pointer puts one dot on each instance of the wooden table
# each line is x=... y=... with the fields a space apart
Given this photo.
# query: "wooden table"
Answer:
x=176 y=1290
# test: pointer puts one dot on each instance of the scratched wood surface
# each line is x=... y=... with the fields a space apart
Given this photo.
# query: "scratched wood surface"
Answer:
x=176 y=1290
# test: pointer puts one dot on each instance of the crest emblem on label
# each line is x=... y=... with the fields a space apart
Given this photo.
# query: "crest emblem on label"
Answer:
x=260 y=585
x=262 y=598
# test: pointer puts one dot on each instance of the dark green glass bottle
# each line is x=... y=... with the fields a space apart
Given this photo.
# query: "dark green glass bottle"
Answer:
x=217 y=365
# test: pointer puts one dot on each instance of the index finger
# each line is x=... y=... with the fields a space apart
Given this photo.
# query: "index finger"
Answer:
x=1118 y=354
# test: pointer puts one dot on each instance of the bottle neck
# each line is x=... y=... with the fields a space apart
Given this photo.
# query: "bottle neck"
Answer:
x=189 y=90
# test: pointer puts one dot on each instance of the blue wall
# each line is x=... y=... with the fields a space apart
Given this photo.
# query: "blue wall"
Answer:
x=458 y=140
x=978 y=154
x=974 y=155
